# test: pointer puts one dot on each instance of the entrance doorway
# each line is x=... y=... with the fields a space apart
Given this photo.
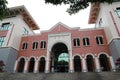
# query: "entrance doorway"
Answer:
x=59 y=58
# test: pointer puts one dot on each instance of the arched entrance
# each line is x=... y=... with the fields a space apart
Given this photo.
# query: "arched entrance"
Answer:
x=21 y=65
x=104 y=62
x=90 y=63
x=42 y=65
x=77 y=64
x=31 y=65
x=59 y=58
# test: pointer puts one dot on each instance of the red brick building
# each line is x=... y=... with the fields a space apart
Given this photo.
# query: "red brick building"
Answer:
x=65 y=49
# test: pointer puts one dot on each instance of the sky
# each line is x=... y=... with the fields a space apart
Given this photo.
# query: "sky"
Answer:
x=47 y=15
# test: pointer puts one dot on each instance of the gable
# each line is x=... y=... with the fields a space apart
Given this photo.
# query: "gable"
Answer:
x=60 y=27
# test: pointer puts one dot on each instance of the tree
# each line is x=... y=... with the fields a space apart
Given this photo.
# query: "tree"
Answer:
x=3 y=9
x=1 y=65
x=77 y=5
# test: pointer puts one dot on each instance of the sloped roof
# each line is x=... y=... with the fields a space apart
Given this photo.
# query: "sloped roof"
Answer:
x=94 y=11
x=26 y=16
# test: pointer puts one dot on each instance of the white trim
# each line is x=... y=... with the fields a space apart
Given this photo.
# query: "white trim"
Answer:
x=90 y=54
x=32 y=57
x=77 y=55
x=22 y=57
x=41 y=57
x=104 y=54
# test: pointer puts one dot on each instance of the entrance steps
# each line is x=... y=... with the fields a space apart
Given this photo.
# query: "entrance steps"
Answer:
x=61 y=76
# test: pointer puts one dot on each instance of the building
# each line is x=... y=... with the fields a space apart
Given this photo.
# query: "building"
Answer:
x=17 y=23
x=108 y=16
x=65 y=49
x=62 y=48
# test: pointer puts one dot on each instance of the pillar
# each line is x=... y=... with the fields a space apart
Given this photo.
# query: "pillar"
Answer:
x=84 y=68
x=47 y=66
x=70 y=61
x=26 y=66
x=112 y=64
x=97 y=64
x=15 y=66
x=36 y=66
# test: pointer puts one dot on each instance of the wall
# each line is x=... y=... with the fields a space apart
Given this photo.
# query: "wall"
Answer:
x=8 y=55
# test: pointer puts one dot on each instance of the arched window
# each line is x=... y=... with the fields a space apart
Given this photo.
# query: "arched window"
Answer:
x=35 y=45
x=104 y=62
x=86 y=41
x=43 y=44
x=77 y=64
x=42 y=65
x=31 y=65
x=24 y=46
x=99 y=40
x=90 y=63
x=76 y=42
x=21 y=65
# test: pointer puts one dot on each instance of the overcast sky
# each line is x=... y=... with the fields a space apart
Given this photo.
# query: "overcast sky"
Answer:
x=47 y=15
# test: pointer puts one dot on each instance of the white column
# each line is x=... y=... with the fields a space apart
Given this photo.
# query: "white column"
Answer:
x=71 y=61
x=47 y=66
x=97 y=64
x=112 y=64
x=15 y=66
x=36 y=66
x=84 y=68
x=26 y=66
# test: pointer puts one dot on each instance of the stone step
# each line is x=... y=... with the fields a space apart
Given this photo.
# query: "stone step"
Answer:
x=61 y=76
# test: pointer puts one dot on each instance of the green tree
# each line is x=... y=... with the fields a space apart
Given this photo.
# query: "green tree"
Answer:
x=77 y=5
x=3 y=8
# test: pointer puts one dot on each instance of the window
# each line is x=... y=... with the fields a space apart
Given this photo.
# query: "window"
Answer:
x=2 y=40
x=86 y=41
x=43 y=44
x=76 y=42
x=100 y=22
x=5 y=26
x=99 y=40
x=35 y=45
x=25 y=31
x=24 y=47
x=118 y=11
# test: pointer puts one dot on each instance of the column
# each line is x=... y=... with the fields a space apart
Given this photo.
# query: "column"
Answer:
x=70 y=62
x=36 y=66
x=26 y=66
x=97 y=64
x=112 y=64
x=15 y=66
x=47 y=66
x=84 y=68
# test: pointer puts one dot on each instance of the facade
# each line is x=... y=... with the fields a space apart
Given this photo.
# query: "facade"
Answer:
x=62 y=48
x=65 y=49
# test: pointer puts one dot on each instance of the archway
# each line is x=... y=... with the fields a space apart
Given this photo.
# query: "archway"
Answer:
x=59 y=58
x=90 y=63
x=77 y=64
x=104 y=62
x=42 y=65
x=31 y=65
x=21 y=65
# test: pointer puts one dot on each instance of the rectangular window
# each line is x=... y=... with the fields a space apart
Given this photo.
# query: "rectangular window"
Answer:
x=25 y=31
x=86 y=41
x=76 y=42
x=43 y=44
x=118 y=11
x=2 y=40
x=5 y=26
x=99 y=40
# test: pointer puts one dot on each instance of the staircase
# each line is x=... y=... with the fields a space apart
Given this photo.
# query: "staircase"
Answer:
x=61 y=76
